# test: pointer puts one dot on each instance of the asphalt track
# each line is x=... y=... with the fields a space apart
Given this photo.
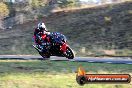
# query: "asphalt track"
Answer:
x=114 y=60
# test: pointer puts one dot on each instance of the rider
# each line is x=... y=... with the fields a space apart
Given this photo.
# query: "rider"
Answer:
x=41 y=37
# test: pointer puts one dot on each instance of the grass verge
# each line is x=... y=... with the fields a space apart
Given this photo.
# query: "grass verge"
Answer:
x=54 y=74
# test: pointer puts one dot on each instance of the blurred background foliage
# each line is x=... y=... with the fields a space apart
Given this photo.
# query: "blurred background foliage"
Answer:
x=93 y=27
x=4 y=11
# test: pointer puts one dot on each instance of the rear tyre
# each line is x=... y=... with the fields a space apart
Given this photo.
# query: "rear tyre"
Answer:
x=69 y=53
x=45 y=56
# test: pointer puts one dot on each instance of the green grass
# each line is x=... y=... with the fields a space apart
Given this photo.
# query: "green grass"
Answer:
x=54 y=74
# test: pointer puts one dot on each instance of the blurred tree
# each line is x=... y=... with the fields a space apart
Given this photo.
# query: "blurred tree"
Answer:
x=71 y=3
x=3 y=10
x=37 y=3
x=68 y=3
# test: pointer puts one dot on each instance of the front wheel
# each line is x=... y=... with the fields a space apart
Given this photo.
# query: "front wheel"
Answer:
x=69 y=53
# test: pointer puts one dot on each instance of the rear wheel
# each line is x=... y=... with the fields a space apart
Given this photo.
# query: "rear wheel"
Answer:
x=44 y=55
x=69 y=53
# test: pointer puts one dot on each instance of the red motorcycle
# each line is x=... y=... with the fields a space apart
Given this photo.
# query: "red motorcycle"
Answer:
x=59 y=47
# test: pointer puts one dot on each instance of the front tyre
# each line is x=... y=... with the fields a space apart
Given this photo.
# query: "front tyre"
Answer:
x=69 y=53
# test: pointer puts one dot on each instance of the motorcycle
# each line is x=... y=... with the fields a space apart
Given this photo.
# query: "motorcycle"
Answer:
x=59 y=47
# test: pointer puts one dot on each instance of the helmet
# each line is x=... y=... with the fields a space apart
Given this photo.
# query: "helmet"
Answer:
x=41 y=26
